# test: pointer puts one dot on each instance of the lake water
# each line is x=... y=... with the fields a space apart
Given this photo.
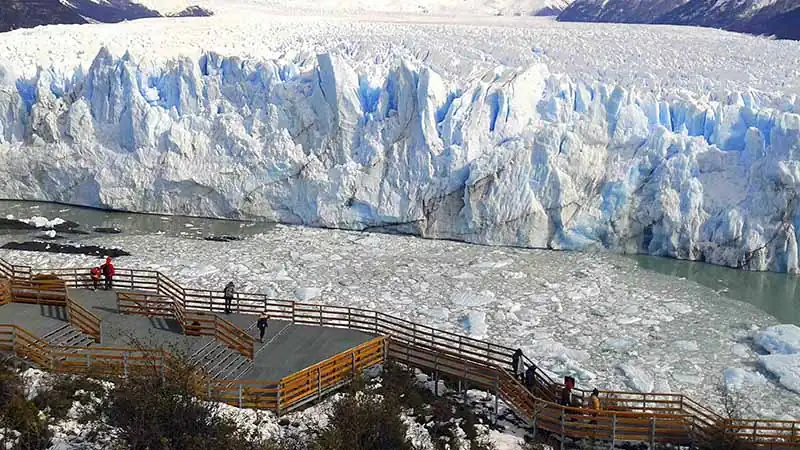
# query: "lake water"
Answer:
x=774 y=293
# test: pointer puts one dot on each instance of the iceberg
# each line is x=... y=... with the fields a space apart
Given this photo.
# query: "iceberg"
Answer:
x=517 y=157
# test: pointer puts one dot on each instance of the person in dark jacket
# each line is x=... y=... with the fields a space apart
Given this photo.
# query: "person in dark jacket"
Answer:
x=262 y=326
x=108 y=273
x=566 y=392
x=530 y=377
x=228 y=294
x=518 y=365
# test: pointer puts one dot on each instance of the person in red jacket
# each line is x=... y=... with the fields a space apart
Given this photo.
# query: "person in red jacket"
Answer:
x=95 y=278
x=108 y=273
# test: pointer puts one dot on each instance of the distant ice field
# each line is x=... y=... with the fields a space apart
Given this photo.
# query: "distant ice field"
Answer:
x=459 y=48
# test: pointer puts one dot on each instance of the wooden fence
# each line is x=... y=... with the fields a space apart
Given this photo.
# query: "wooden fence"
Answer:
x=83 y=319
x=626 y=415
x=5 y=291
x=192 y=323
x=281 y=396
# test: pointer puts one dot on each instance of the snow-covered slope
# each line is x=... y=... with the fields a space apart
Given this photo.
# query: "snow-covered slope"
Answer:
x=771 y=17
x=443 y=7
x=381 y=130
x=31 y=13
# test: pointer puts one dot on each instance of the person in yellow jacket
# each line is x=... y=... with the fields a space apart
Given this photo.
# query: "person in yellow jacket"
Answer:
x=594 y=400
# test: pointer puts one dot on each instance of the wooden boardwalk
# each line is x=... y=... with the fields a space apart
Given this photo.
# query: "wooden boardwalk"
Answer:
x=300 y=334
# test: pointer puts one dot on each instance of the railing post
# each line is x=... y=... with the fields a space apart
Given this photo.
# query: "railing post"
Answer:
x=613 y=431
x=792 y=435
x=240 y=395
x=125 y=363
x=755 y=427
x=353 y=365
x=278 y=401
x=652 y=433
x=563 y=425
x=496 y=389
x=88 y=361
x=319 y=384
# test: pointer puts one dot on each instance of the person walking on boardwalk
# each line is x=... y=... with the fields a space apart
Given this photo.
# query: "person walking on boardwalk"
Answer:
x=518 y=365
x=229 y=293
x=262 y=325
x=108 y=273
x=95 y=278
x=566 y=391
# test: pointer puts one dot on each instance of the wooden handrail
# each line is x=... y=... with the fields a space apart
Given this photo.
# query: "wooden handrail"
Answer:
x=83 y=319
x=469 y=350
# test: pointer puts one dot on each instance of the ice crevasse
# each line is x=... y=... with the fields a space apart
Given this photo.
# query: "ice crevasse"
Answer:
x=519 y=157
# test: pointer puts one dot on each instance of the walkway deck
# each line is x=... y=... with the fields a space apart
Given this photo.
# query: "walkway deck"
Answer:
x=307 y=334
x=287 y=347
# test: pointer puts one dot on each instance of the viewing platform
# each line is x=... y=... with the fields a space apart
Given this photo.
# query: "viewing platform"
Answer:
x=51 y=318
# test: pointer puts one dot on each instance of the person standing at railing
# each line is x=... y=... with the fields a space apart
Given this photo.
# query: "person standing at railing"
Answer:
x=95 y=278
x=518 y=365
x=108 y=273
x=228 y=294
x=262 y=326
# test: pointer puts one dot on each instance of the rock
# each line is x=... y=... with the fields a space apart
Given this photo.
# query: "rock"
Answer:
x=93 y=250
x=107 y=230
x=222 y=238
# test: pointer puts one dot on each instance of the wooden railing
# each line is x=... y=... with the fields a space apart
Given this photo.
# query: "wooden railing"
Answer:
x=282 y=396
x=5 y=291
x=472 y=360
x=6 y=270
x=44 y=291
x=83 y=319
x=192 y=323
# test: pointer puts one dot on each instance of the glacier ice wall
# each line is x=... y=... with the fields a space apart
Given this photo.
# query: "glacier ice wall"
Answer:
x=519 y=157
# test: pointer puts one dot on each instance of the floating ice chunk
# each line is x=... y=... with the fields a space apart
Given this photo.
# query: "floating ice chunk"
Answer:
x=618 y=344
x=10 y=217
x=438 y=313
x=687 y=378
x=679 y=308
x=783 y=339
x=465 y=276
x=785 y=367
x=476 y=324
x=626 y=320
x=740 y=350
x=493 y=264
x=736 y=378
x=307 y=293
x=44 y=222
x=637 y=378
x=471 y=299
x=686 y=346
x=50 y=233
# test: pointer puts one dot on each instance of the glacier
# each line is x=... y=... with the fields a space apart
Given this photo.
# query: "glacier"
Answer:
x=520 y=157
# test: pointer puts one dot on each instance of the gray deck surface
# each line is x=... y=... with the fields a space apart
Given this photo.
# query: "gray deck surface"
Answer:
x=287 y=348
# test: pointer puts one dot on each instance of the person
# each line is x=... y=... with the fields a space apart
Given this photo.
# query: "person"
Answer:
x=518 y=365
x=566 y=391
x=594 y=399
x=530 y=377
x=262 y=325
x=95 y=278
x=228 y=294
x=108 y=273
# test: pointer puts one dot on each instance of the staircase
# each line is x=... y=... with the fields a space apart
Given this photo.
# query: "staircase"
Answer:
x=68 y=336
x=220 y=362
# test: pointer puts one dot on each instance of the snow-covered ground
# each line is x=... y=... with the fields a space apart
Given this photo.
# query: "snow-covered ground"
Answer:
x=447 y=7
x=596 y=316
x=75 y=433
